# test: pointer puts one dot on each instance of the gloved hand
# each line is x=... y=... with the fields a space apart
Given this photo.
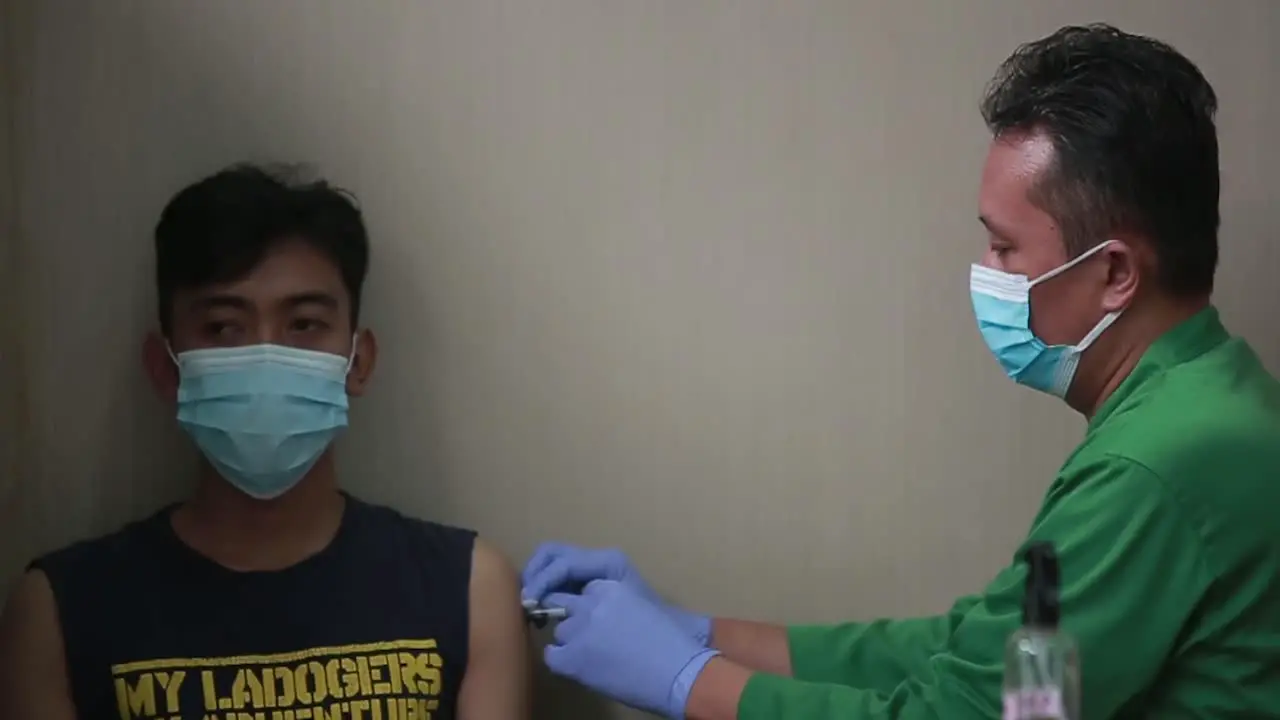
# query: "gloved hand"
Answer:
x=557 y=567
x=619 y=643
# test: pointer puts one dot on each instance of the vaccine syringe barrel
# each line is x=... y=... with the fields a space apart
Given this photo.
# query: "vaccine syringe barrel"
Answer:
x=1041 y=672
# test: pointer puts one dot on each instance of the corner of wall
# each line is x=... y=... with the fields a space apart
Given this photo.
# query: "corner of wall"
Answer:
x=15 y=472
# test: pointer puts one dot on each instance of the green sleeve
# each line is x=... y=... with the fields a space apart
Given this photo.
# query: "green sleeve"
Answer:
x=1132 y=568
x=875 y=655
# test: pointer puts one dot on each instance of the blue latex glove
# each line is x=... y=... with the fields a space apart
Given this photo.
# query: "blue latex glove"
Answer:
x=557 y=567
x=621 y=644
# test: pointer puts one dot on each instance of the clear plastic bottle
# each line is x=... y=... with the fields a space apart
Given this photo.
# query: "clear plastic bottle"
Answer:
x=1041 y=663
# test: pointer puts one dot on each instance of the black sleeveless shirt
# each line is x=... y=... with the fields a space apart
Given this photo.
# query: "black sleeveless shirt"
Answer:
x=373 y=627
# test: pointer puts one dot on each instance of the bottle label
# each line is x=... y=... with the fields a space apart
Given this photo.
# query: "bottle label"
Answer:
x=1034 y=704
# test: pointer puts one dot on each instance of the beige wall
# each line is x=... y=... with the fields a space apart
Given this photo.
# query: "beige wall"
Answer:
x=13 y=542
x=687 y=276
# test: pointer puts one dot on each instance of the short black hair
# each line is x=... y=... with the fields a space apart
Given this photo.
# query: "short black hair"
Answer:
x=1135 y=147
x=220 y=228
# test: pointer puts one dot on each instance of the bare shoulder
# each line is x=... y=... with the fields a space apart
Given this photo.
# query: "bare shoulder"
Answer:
x=496 y=684
x=33 y=681
x=30 y=617
x=491 y=572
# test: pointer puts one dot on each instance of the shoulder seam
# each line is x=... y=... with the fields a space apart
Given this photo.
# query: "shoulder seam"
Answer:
x=1185 y=515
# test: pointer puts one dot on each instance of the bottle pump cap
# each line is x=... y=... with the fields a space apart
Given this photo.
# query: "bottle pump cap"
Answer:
x=1040 y=603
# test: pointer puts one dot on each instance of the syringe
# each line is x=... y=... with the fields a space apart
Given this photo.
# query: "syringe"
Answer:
x=540 y=616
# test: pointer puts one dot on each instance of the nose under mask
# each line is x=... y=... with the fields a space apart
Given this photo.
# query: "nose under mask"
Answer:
x=262 y=414
x=1002 y=307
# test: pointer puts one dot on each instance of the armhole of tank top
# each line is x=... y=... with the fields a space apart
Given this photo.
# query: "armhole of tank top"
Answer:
x=466 y=540
x=456 y=546
x=443 y=554
x=62 y=570
x=48 y=564
x=66 y=612
x=70 y=570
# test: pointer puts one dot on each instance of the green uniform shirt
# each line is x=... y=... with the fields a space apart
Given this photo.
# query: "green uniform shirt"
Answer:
x=1166 y=519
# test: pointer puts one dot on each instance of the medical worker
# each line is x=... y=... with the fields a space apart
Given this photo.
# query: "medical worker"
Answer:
x=1100 y=199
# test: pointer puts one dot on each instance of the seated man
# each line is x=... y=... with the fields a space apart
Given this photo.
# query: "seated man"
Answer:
x=269 y=593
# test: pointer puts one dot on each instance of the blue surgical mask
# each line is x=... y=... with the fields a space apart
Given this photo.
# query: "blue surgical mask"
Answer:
x=262 y=414
x=1002 y=305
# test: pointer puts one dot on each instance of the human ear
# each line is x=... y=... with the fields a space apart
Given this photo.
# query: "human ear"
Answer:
x=158 y=364
x=363 y=361
x=1124 y=276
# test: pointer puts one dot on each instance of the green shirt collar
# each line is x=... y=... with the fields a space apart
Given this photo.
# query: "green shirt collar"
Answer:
x=1186 y=341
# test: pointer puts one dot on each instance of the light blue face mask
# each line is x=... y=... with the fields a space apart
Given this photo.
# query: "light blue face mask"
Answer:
x=1002 y=305
x=262 y=414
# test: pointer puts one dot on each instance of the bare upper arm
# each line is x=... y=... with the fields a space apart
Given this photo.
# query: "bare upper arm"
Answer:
x=497 y=679
x=33 y=670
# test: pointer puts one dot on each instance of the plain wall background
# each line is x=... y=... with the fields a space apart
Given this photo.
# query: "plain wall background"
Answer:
x=13 y=541
x=685 y=276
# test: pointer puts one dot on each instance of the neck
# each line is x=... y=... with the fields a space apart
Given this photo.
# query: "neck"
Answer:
x=245 y=534
x=1119 y=350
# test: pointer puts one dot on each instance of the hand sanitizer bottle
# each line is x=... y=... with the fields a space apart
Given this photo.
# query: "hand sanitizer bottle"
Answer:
x=1041 y=663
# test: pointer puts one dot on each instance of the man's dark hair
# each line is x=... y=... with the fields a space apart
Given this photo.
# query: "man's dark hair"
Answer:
x=1132 y=125
x=220 y=228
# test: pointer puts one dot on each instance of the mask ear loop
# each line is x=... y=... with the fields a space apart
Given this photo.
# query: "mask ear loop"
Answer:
x=1097 y=330
x=1071 y=263
x=351 y=359
x=169 y=349
x=1107 y=319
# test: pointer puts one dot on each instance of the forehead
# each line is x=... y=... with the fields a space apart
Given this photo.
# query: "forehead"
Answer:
x=1014 y=162
x=290 y=268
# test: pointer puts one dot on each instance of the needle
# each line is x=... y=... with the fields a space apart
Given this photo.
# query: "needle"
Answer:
x=539 y=616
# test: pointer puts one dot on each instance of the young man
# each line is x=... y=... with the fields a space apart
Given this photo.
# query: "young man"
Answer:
x=270 y=594
x=1100 y=199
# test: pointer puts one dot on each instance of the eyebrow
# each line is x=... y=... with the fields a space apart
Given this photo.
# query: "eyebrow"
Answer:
x=323 y=299
x=994 y=229
x=214 y=302
x=237 y=302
